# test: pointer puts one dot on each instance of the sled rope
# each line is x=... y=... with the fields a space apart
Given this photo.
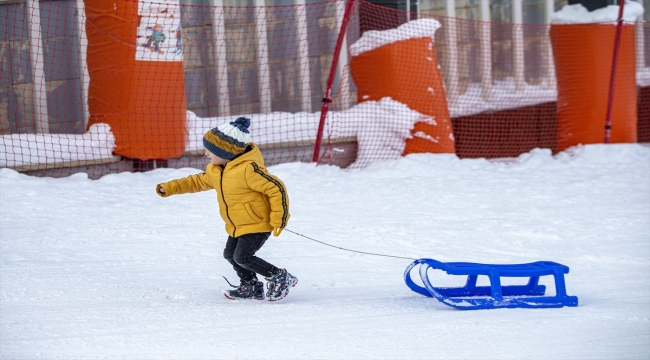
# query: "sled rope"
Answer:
x=355 y=251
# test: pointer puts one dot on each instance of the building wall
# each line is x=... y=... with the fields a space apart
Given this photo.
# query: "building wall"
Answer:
x=60 y=50
x=241 y=40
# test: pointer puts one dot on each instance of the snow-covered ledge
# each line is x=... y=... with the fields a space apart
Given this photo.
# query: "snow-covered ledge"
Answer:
x=28 y=152
x=643 y=77
x=380 y=129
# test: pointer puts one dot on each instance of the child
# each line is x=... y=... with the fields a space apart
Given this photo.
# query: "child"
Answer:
x=252 y=203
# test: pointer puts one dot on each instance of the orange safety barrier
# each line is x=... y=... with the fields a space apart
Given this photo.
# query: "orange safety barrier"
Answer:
x=142 y=100
x=407 y=71
x=583 y=62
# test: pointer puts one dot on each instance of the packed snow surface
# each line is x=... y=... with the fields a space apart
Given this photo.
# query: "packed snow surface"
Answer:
x=106 y=269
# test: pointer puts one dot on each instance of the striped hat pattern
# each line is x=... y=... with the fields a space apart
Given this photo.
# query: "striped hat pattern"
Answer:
x=228 y=140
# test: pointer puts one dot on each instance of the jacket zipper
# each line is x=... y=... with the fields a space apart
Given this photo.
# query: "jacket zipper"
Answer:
x=225 y=203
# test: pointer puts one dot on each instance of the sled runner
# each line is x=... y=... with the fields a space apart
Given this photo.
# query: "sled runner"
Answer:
x=472 y=297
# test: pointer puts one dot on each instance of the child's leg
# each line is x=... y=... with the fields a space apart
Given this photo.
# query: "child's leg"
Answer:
x=243 y=256
x=229 y=254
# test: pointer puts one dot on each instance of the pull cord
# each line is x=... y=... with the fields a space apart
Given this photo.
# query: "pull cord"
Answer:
x=354 y=251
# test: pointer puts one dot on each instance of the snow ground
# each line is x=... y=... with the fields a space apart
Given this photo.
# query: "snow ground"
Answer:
x=106 y=269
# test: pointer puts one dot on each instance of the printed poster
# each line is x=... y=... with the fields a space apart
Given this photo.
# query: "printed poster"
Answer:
x=159 y=36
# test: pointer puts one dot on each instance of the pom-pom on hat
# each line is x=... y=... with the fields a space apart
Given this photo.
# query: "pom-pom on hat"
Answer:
x=228 y=140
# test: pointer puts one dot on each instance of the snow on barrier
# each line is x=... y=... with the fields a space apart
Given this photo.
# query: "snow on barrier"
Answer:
x=402 y=64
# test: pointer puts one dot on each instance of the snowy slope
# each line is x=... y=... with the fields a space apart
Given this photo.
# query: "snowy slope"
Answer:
x=106 y=269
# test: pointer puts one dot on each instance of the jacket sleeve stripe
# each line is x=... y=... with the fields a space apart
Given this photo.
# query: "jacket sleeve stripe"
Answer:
x=283 y=191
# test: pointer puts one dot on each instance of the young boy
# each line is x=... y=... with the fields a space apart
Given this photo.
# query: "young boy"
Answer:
x=252 y=203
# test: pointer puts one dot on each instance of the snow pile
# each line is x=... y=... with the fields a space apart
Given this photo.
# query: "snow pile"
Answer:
x=373 y=39
x=31 y=149
x=380 y=128
x=578 y=14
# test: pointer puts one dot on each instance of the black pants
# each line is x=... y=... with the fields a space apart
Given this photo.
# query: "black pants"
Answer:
x=240 y=252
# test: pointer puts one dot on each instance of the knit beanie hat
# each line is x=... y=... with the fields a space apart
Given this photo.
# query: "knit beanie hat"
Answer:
x=228 y=140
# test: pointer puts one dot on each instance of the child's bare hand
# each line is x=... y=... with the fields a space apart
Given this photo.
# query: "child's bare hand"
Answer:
x=160 y=190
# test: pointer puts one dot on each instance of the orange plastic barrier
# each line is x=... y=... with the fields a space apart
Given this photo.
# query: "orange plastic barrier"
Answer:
x=407 y=71
x=583 y=62
x=142 y=101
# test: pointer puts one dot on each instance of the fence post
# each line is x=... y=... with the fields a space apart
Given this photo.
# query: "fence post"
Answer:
x=518 y=44
x=303 y=56
x=83 y=65
x=550 y=64
x=263 y=71
x=640 y=46
x=327 y=99
x=38 y=66
x=451 y=53
x=221 y=56
x=485 y=44
x=612 y=78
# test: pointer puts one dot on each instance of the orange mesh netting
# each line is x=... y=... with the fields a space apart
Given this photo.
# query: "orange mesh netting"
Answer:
x=107 y=86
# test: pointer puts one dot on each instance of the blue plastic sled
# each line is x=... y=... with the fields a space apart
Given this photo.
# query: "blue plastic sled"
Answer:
x=494 y=296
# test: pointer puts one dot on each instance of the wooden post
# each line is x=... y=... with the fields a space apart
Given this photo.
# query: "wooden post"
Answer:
x=221 y=57
x=341 y=70
x=485 y=44
x=640 y=45
x=551 y=80
x=451 y=53
x=303 y=56
x=83 y=65
x=36 y=61
x=518 y=45
x=263 y=72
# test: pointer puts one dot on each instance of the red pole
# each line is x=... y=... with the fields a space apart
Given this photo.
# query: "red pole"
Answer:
x=612 y=78
x=330 y=80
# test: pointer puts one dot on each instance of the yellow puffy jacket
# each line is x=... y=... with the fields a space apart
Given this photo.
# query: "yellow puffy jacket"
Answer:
x=250 y=199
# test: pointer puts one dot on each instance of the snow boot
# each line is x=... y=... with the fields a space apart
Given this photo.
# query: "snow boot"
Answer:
x=252 y=289
x=279 y=285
